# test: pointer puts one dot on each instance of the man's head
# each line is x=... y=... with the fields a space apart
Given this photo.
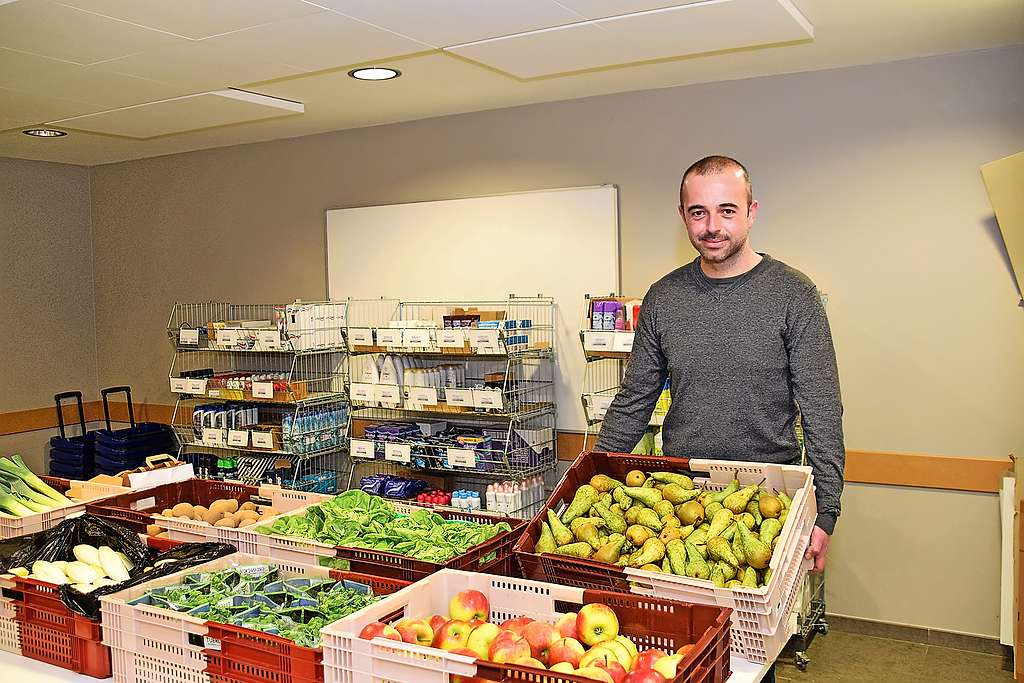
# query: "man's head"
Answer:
x=718 y=207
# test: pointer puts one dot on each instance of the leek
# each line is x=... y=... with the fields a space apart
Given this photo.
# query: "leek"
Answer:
x=16 y=466
x=13 y=505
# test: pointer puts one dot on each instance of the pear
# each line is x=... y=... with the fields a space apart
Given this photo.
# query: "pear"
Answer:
x=784 y=499
x=546 y=543
x=575 y=525
x=728 y=570
x=732 y=488
x=673 y=478
x=784 y=516
x=769 y=506
x=610 y=552
x=676 y=494
x=653 y=550
x=606 y=498
x=748 y=520
x=767 y=576
x=631 y=514
x=666 y=565
x=669 y=533
x=588 y=534
x=729 y=532
x=664 y=508
x=675 y=551
x=613 y=522
x=649 y=497
x=750 y=578
x=690 y=513
x=696 y=566
x=582 y=551
x=651 y=567
x=635 y=478
x=755 y=552
x=734 y=583
x=649 y=519
x=719 y=549
x=603 y=483
x=737 y=547
x=737 y=502
x=651 y=484
x=698 y=537
x=717 y=577
x=637 y=534
x=770 y=528
x=671 y=520
x=624 y=501
x=754 y=510
x=615 y=508
x=685 y=531
x=720 y=522
x=563 y=536
x=711 y=508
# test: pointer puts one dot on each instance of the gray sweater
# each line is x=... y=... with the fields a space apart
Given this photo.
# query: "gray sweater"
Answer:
x=742 y=356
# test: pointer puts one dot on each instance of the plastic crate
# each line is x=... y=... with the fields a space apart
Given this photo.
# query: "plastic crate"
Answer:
x=760 y=613
x=650 y=622
x=80 y=655
x=131 y=667
x=10 y=627
x=493 y=556
x=12 y=527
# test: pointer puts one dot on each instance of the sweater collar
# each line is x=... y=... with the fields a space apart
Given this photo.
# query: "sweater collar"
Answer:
x=705 y=282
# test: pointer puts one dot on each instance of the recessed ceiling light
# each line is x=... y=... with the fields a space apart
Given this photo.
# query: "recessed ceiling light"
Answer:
x=45 y=132
x=374 y=73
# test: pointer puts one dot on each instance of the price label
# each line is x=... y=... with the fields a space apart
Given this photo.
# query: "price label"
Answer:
x=461 y=457
x=488 y=399
x=211 y=643
x=214 y=393
x=484 y=341
x=397 y=452
x=360 y=448
x=388 y=393
x=459 y=397
x=188 y=337
x=451 y=338
x=623 y=341
x=426 y=396
x=263 y=390
x=269 y=339
x=238 y=437
x=364 y=393
x=179 y=385
x=598 y=341
x=197 y=386
x=213 y=437
x=360 y=336
x=262 y=439
x=416 y=337
x=227 y=337
x=387 y=336
x=599 y=406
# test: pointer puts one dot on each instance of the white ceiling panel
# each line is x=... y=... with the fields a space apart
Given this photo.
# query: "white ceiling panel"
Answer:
x=449 y=22
x=18 y=107
x=53 y=30
x=599 y=9
x=702 y=27
x=193 y=112
x=197 y=19
x=319 y=41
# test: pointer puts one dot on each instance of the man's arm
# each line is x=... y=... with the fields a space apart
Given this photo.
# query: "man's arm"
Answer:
x=812 y=361
x=630 y=411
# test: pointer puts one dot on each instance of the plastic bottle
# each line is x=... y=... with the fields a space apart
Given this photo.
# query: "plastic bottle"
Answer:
x=597 y=315
x=475 y=501
x=517 y=498
x=491 y=498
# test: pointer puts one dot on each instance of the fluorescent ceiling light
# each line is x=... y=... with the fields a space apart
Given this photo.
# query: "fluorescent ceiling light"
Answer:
x=374 y=73
x=44 y=132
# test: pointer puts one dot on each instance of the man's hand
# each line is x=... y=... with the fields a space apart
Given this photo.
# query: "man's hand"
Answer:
x=818 y=549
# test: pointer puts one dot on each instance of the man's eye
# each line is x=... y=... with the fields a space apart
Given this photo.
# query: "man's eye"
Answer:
x=728 y=212
x=697 y=214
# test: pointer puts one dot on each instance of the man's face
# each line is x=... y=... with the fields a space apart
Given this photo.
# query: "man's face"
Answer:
x=716 y=214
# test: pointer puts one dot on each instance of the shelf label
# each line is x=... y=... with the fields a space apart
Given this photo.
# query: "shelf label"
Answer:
x=426 y=396
x=461 y=457
x=262 y=439
x=269 y=339
x=623 y=341
x=388 y=393
x=213 y=437
x=238 y=437
x=398 y=452
x=197 y=386
x=387 y=336
x=459 y=397
x=360 y=448
x=227 y=337
x=364 y=393
x=598 y=341
x=179 y=385
x=488 y=399
x=263 y=390
x=360 y=336
x=484 y=341
x=451 y=338
x=599 y=405
x=188 y=337
x=416 y=337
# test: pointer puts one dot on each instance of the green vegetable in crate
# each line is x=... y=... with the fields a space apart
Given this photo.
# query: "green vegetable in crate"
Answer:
x=22 y=493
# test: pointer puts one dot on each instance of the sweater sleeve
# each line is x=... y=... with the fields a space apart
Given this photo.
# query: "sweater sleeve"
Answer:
x=815 y=381
x=630 y=411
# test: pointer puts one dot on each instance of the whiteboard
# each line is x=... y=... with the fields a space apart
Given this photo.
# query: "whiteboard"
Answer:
x=560 y=243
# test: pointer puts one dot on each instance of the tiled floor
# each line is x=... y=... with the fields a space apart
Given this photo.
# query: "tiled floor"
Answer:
x=849 y=657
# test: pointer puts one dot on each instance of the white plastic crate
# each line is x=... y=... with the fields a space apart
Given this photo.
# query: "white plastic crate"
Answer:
x=10 y=628
x=93 y=491
x=760 y=615
x=131 y=667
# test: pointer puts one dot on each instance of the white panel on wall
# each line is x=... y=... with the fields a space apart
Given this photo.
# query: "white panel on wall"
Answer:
x=559 y=243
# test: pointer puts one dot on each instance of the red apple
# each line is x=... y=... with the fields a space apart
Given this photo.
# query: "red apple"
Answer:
x=666 y=666
x=541 y=637
x=530 y=661
x=597 y=655
x=647 y=658
x=436 y=622
x=516 y=625
x=567 y=626
x=563 y=668
x=629 y=645
x=466 y=679
x=596 y=623
x=595 y=673
x=566 y=650
x=468 y=605
x=416 y=631
x=508 y=648
x=645 y=676
x=453 y=635
x=379 y=630
x=685 y=649
x=620 y=651
x=614 y=669
x=481 y=638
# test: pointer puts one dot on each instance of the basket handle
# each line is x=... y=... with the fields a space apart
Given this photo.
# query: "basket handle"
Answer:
x=58 y=399
x=106 y=408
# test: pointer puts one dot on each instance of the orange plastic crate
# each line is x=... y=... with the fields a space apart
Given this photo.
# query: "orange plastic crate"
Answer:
x=80 y=655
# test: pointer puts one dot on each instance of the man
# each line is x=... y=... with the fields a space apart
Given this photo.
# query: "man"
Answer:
x=747 y=345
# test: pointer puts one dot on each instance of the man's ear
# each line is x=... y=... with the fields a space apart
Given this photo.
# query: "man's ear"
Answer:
x=752 y=210
x=682 y=213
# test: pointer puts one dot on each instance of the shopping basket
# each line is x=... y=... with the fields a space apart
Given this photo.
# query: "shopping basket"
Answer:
x=125 y=449
x=71 y=457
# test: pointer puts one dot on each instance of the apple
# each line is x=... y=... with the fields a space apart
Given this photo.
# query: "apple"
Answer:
x=620 y=651
x=466 y=679
x=685 y=649
x=666 y=666
x=566 y=650
x=416 y=631
x=530 y=661
x=453 y=635
x=567 y=626
x=481 y=637
x=596 y=623
x=597 y=655
x=468 y=605
x=379 y=630
x=563 y=668
x=645 y=676
x=595 y=673
x=628 y=644
x=508 y=648
x=541 y=637
x=436 y=622
x=516 y=625
x=647 y=658
x=614 y=669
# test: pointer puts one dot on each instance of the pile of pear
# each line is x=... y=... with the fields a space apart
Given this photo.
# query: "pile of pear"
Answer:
x=662 y=522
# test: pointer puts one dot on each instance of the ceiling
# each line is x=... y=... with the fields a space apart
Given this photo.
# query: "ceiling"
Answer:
x=139 y=78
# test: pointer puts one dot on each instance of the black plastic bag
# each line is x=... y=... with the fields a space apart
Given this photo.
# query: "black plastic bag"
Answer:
x=57 y=543
x=174 y=560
